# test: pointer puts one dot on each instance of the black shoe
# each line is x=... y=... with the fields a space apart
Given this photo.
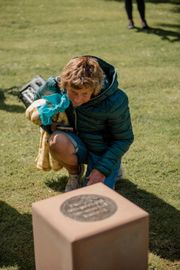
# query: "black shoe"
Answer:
x=145 y=26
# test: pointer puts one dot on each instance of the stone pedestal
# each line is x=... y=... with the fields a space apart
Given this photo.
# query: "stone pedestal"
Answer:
x=92 y=228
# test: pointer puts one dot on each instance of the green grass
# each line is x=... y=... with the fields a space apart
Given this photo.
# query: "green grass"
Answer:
x=39 y=37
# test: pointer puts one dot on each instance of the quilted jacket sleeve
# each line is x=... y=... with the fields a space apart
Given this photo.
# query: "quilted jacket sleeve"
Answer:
x=120 y=128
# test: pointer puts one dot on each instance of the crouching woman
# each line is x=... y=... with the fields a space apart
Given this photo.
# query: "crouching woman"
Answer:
x=99 y=114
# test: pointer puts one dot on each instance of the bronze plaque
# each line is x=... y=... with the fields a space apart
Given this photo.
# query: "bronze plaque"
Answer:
x=88 y=207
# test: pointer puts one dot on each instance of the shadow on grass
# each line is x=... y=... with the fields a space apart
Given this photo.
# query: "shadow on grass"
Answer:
x=16 y=238
x=6 y=107
x=167 y=35
x=164 y=220
x=57 y=184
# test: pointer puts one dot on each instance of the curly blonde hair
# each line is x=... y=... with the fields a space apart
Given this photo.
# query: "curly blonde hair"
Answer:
x=82 y=72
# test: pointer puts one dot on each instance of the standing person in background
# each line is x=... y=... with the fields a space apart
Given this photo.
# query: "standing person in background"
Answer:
x=141 y=9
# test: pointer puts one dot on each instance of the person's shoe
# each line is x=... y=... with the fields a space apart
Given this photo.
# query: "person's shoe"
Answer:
x=119 y=178
x=74 y=179
x=120 y=174
x=73 y=182
x=145 y=26
x=131 y=25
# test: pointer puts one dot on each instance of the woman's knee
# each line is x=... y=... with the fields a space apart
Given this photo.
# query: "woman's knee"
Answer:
x=60 y=143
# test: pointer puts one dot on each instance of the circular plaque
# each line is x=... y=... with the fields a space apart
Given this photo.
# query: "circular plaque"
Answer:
x=88 y=207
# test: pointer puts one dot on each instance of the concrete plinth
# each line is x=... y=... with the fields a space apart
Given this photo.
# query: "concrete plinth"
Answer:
x=92 y=228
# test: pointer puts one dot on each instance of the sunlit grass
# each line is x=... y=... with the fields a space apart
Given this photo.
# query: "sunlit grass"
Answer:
x=39 y=38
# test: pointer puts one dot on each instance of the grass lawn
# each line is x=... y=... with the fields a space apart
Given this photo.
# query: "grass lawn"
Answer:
x=39 y=37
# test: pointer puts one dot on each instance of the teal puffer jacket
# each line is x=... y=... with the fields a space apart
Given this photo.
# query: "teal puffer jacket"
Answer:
x=103 y=123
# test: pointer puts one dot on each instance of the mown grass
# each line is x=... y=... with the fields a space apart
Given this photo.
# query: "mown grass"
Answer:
x=39 y=38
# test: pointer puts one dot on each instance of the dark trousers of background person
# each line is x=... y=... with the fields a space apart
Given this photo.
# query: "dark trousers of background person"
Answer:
x=141 y=9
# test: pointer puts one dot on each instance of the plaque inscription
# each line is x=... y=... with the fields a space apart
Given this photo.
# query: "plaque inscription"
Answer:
x=88 y=207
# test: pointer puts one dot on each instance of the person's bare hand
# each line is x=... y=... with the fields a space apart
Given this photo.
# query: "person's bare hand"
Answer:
x=95 y=177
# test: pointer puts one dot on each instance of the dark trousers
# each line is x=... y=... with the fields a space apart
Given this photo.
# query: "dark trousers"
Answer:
x=141 y=9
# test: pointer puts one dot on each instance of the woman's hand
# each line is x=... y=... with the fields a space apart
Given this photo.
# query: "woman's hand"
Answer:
x=95 y=177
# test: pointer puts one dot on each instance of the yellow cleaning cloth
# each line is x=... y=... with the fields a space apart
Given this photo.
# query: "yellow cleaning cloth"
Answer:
x=44 y=159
